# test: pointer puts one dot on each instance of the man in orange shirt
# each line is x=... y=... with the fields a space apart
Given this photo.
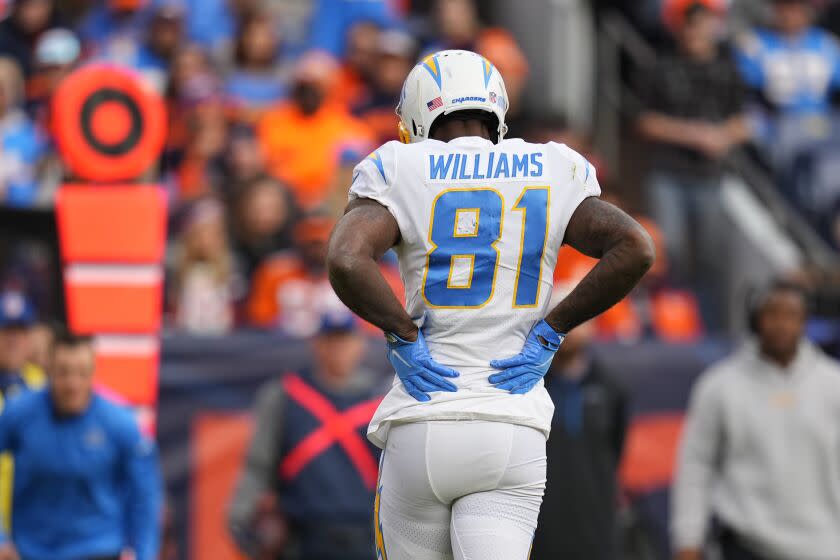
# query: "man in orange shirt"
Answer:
x=305 y=137
x=291 y=291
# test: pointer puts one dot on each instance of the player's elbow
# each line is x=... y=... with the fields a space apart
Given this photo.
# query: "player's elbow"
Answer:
x=642 y=247
x=342 y=262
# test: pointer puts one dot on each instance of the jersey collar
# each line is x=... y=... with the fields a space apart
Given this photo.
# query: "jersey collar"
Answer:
x=471 y=141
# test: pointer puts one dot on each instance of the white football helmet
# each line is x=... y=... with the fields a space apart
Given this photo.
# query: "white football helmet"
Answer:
x=445 y=82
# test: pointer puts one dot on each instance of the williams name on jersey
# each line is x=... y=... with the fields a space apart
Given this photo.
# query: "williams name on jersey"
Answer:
x=481 y=225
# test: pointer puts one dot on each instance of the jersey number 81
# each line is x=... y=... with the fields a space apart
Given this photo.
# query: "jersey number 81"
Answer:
x=466 y=225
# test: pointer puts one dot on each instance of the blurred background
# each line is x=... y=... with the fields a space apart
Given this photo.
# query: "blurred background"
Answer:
x=702 y=120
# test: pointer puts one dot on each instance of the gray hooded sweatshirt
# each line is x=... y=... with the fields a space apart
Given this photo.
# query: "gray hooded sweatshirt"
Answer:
x=761 y=452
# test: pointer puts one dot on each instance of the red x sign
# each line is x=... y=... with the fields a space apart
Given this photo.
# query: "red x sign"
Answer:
x=336 y=427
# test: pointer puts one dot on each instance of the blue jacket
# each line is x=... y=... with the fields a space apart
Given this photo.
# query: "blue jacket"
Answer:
x=21 y=148
x=796 y=75
x=84 y=486
x=332 y=19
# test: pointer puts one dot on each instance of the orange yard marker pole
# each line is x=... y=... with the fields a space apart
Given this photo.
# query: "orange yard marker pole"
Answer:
x=110 y=130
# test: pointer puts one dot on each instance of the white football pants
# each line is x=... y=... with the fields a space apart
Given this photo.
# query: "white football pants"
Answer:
x=466 y=490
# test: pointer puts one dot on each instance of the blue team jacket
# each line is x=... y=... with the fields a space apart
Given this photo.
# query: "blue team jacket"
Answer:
x=84 y=486
x=796 y=75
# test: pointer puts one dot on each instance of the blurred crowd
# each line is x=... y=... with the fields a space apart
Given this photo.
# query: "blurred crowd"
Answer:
x=271 y=105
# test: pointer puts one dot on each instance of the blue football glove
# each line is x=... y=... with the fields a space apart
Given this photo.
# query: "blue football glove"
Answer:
x=419 y=373
x=521 y=372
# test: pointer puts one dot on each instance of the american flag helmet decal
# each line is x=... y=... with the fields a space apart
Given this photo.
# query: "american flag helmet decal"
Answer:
x=435 y=103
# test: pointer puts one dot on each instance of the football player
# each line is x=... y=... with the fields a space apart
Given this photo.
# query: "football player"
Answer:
x=476 y=221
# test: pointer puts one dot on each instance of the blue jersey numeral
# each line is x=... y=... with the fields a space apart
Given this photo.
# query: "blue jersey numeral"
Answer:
x=465 y=226
x=534 y=204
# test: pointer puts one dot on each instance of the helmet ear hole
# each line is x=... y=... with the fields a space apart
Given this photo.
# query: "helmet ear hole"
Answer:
x=502 y=133
x=414 y=127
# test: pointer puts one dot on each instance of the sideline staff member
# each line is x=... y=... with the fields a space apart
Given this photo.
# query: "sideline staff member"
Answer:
x=87 y=484
x=761 y=447
x=17 y=320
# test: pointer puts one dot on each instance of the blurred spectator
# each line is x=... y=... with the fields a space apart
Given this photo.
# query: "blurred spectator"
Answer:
x=199 y=165
x=21 y=146
x=188 y=63
x=154 y=52
x=190 y=66
x=290 y=290
x=675 y=12
x=205 y=283
x=17 y=317
x=264 y=214
x=693 y=113
x=761 y=448
x=458 y=26
x=332 y=19
x=793 y=66
x=359 y=65
x=290 y=503
x=88 y=484
x=28 y=265
x=17 y=375
x=305 y=137
x=396 y=57
x=20 y=30
x=578 y=514
x=255 y=82
x=244 y=160
x=56 y=54
x=110 y=23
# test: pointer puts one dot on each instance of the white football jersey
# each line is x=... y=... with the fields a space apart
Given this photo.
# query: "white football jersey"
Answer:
x=481 y=225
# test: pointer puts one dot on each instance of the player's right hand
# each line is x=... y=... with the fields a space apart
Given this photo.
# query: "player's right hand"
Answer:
x=419 y=373
x=522 y=372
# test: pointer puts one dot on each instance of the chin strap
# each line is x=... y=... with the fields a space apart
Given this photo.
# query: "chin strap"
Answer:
x=405 y=137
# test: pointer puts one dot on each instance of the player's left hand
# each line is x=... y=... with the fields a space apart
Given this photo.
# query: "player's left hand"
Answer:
x=521 y=372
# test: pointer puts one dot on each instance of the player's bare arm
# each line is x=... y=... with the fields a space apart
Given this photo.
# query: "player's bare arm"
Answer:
x=365 y=232
x=600 y=230
x=625 y=252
